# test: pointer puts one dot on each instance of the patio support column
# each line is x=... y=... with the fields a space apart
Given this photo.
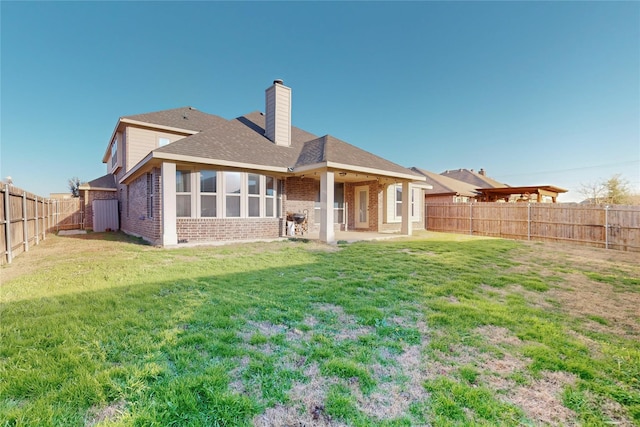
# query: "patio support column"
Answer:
x=326 y=202
x=169 y=226
x=406 y=209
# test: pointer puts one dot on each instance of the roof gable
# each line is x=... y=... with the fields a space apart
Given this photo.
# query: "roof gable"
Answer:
x=444 y=185
x=473 y=178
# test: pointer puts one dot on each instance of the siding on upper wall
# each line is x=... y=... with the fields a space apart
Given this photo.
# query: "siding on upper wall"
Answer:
x=140 y=141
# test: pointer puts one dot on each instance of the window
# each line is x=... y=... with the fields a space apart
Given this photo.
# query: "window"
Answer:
x=253 y=192
x=114 y=152
x=208 y=191
x=149 y=195
x=163 y=141
x=414 y=209
x=233 y=189
x=270 y=196
x=183 y=193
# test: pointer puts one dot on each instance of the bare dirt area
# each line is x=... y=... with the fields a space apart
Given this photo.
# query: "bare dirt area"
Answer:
x=612 y=303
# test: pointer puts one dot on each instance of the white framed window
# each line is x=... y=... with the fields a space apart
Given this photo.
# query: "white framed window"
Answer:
x=208 y=193
x=163 y=141
x=270 y=197
x=395 y=204
x=253 y=194
x=114 y=153
x=183 y=193
x=233 y=194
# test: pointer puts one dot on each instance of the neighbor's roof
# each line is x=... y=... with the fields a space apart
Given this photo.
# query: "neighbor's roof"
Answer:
x=444 y=185
x=531 y=189
x=105 y=183
x=472 y=177
x=241 y=143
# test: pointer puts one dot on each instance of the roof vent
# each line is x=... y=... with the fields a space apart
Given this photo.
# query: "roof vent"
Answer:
x=278 y=82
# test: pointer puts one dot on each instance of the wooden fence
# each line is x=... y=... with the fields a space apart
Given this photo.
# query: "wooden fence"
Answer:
x=611 y=227
x=27 y=218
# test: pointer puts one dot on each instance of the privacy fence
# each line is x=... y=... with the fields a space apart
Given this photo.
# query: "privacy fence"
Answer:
x=27 y=218
x=611 y=227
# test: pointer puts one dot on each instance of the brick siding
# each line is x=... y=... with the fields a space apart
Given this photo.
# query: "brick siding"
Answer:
x=227 y=229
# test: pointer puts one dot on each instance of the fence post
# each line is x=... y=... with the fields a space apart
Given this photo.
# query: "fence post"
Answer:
x=471 y=219
x=7 y=222
x=37 y=221
x=528 y=220
x=25 y=226
x=606 y=226
x=426 y=217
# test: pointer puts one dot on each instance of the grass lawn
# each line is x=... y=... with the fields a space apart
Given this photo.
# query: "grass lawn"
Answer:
x=437 y=330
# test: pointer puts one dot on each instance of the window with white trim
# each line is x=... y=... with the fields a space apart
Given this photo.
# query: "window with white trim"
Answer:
x=208 y=193
x=114 y=153
x=233 y=194
x=270 y=197
x=253 y=194
x=163 y=141
x=396 y=204
x=183 y=193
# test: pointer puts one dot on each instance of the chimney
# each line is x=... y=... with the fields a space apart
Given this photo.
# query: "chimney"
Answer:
x=482 y=172
x=278 y=114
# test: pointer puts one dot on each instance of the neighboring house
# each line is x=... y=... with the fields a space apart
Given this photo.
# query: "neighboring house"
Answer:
x=445 y=189
x=182 y=175
x=532 y=193
x=476 y=179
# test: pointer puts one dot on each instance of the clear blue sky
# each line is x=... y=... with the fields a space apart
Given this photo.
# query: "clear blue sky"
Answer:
x=534 y=92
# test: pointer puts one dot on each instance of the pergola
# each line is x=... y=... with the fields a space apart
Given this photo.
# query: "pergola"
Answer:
x=522 y=194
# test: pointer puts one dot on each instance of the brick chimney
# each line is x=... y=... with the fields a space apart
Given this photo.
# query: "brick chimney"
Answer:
x=278 y=113
x=482 y=172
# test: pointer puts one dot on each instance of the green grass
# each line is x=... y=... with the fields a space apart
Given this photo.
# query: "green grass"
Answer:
x=102 y=330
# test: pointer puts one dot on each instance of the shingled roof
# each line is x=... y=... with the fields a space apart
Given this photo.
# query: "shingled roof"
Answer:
x=476 y=179
x=187 y=118
x=443 y=185
x=242 y=140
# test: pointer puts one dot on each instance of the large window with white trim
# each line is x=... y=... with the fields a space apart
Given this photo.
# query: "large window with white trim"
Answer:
x=208 y=193
x=183 y=193
x=395 y=202
x=253 y=194
x=220 y=194
x=233 y=191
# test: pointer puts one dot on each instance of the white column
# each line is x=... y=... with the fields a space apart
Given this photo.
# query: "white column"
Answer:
x=169 y=226
x=406 y=209
x=326 y=202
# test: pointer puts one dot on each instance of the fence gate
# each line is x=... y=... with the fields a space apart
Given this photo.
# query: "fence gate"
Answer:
x=105 y=215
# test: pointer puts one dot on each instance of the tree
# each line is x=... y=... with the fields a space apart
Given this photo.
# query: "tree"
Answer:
x=74 y=186
x=613 y=191
x=618 y=191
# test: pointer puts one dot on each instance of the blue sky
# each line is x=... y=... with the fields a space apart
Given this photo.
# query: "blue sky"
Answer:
x=533 y=92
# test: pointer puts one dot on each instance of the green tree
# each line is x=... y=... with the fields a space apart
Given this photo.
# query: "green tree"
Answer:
x=612 y=191
x=617 y=190
x=74 y=186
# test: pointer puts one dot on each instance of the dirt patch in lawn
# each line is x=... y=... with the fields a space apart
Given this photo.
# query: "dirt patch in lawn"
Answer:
x=614 y=308
x=111 y=413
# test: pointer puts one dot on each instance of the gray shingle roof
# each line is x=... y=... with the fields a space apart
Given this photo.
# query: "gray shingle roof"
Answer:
x=187 y=118
x=444 y=185
x=473 y=178
x=105 y=181
x=242 y=140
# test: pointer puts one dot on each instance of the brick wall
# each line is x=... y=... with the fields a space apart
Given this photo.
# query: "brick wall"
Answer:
x=300 y=195
x=227 y=229
x=135 y=219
